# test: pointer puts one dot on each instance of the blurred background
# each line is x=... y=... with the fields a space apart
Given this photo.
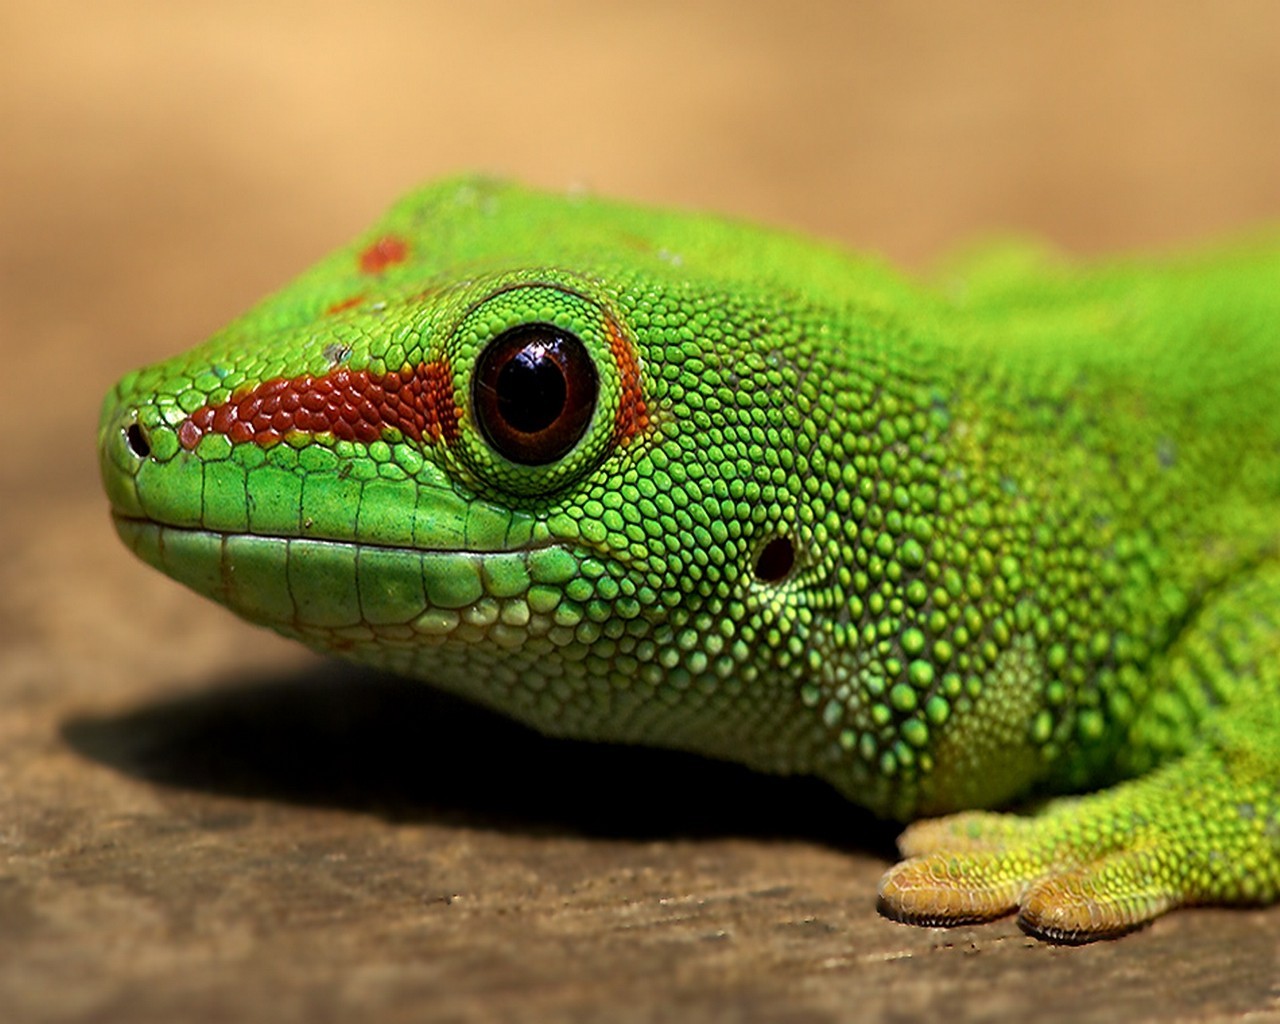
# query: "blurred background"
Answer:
x=165 y=164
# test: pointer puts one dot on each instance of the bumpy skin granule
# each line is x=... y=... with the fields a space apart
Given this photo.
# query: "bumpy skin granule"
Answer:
x=1010 y=534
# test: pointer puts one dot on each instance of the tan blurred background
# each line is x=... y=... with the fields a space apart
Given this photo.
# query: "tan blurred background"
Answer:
x=162 y=165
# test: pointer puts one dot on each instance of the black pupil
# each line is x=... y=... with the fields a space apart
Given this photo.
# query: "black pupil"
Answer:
x=531 y=389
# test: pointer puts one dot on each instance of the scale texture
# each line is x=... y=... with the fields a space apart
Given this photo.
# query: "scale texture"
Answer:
x=634 y=475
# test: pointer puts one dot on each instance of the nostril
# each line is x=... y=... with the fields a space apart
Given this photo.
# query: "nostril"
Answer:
x=136 y=438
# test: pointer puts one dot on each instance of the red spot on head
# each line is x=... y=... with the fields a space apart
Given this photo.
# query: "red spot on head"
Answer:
x=345 y=304
x=189 y=433
x=383 y=253
x=633 y=414
x=352 y=405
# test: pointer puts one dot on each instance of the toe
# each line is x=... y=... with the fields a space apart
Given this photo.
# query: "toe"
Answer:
x=1102 y=900
x=970 y=831
x=944 y=889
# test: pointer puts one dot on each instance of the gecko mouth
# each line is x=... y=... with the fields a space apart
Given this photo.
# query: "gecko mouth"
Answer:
x=341 y=592
x=123 y=520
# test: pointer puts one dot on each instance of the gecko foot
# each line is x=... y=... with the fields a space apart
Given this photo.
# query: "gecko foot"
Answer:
x=983 y=878
x=1202 y=829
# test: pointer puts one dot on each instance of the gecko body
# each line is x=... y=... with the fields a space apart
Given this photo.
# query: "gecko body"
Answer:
x=657 y=477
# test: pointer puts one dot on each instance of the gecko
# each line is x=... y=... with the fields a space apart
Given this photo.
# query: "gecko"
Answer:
x=994 y=551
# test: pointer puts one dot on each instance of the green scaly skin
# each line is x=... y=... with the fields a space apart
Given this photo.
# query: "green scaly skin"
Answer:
x=1022 y=523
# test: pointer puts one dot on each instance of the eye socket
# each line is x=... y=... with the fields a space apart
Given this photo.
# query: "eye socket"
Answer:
x=534 y=390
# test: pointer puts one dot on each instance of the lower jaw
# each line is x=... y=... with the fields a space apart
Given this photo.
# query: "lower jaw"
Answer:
x=337 y=594
x=490 y=627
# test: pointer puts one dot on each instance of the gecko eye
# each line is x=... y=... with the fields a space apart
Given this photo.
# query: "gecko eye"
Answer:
x=534 y=391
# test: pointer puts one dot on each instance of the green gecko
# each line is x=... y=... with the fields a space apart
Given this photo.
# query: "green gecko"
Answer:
x=633 y=475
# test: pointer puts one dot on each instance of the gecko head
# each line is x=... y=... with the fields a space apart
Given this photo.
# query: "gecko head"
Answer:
x=576 y=494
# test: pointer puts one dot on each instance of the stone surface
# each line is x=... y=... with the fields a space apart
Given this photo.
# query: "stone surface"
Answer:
x=199 y=822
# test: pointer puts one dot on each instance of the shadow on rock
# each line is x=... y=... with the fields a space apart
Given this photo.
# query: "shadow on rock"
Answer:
x=347 y=737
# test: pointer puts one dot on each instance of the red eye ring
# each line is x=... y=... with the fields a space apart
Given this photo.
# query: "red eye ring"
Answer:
x=534 y=391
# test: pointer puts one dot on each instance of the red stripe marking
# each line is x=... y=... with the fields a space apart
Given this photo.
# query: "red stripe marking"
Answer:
x=352 y=405
x=383 y=253
x=345 y=304
x=633 y=414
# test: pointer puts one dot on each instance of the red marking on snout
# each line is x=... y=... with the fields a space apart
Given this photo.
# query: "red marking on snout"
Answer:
x=352 y=405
